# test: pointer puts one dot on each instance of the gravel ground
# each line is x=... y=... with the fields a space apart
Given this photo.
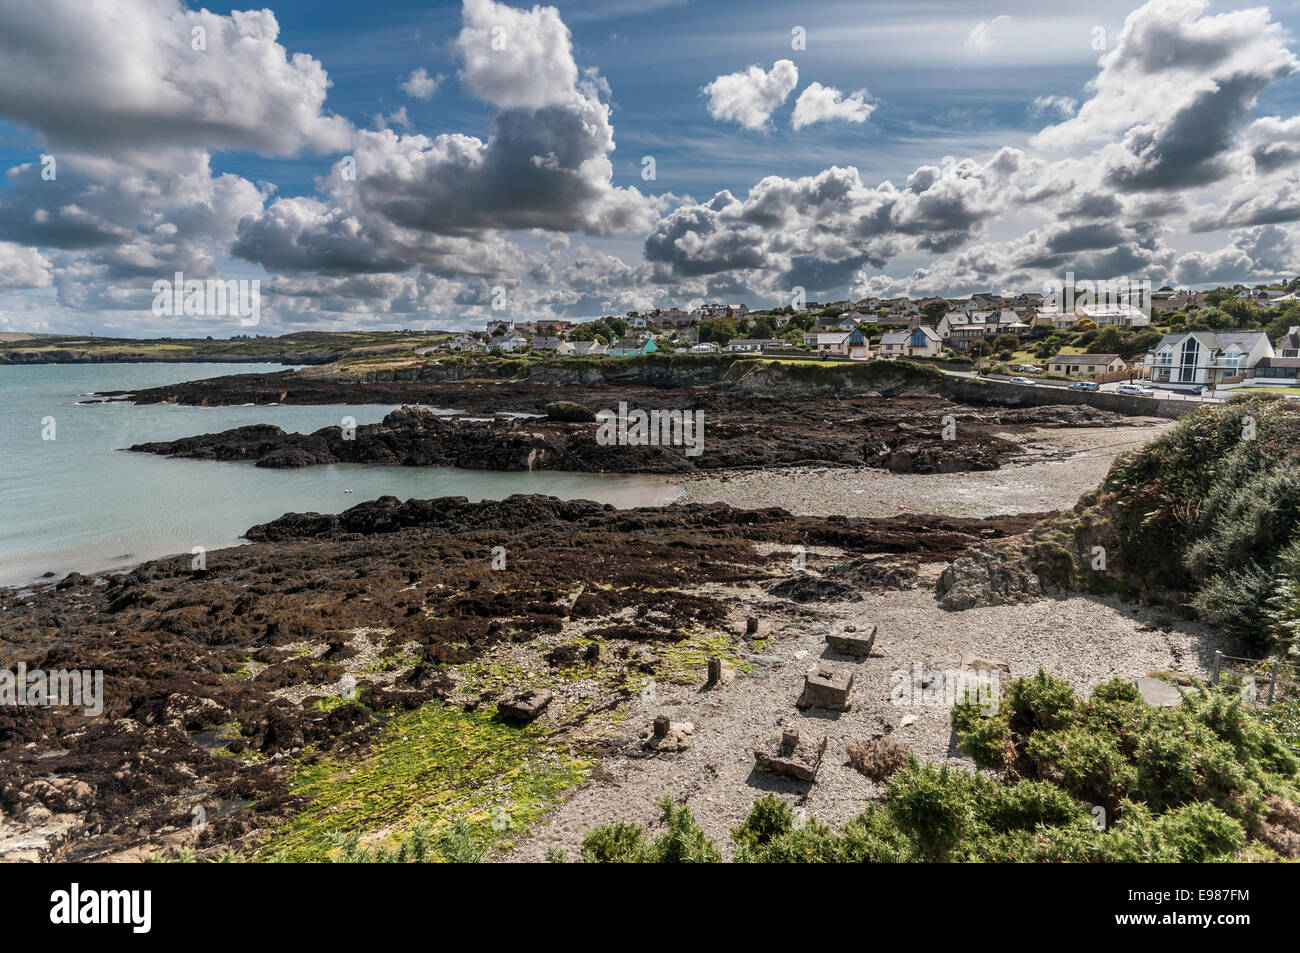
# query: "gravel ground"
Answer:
x=1086 y=640
x=1057 y=467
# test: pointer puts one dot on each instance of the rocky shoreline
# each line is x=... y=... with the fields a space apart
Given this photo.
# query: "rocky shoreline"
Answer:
x=227 y=687
x=916 y=434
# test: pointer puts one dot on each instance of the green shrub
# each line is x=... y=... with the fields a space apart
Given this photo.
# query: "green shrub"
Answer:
x=1108 y=779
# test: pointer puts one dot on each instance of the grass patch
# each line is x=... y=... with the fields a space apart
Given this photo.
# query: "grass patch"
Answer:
x=438 y=766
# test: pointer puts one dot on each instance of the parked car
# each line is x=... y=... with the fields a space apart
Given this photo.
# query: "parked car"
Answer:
x=1027 y=369
x=1085 y=385
x=1022 y=380
x=1135 y=390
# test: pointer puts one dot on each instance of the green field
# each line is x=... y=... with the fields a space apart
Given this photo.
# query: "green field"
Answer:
x=319 y=345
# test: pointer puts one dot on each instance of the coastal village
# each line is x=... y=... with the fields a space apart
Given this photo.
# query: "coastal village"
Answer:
x=1175 y=340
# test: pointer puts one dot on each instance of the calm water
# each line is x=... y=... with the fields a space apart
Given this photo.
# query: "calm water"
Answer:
x=80 y=502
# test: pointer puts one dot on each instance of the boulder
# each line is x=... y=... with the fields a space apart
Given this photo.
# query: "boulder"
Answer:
x=526 y=706
x=985 y=578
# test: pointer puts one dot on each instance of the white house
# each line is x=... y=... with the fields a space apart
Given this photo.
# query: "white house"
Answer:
x=582 y=348
x=704 y=347
x=919 y=342
x=851 y=344
x=511 y=342
x=1116 y=314
x=1189 y=358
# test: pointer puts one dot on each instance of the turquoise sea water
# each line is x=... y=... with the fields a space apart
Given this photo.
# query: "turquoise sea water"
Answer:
x=78 y=502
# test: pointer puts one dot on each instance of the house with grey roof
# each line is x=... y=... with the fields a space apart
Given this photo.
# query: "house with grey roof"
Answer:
x=1190 y=358
x=1086 y=365
x=918 y=342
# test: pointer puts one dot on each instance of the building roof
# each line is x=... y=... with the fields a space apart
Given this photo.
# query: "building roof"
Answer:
x=1093 y=359
x=1215 y=341
x=627 y=344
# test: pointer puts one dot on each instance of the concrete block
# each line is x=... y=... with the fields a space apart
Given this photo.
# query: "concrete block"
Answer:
x=800 y=760
x=826 y=686
x=857 y=643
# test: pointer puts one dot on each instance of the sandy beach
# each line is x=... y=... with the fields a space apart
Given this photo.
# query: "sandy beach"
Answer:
x=1057 y=466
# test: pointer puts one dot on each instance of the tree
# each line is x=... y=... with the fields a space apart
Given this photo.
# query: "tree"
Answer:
x=1108 y=340
x=764 y=328
x=1006 y=342
x=717 y=330
x=934 y=311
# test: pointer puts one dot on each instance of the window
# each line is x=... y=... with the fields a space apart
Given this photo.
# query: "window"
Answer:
x=1188 y=362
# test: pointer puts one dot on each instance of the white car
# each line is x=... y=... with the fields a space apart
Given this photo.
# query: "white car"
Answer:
x=1135 y=390
x=1022 y=380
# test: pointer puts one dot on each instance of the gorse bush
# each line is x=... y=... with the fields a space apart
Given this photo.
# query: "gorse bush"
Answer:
x=1102 y=779
x=1208 y=515
x=683 y=842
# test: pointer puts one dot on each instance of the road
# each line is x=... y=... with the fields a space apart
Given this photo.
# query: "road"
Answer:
x=1109 y=388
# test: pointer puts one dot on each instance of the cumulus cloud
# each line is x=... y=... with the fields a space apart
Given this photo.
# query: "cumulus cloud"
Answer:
x=1175 y=91
x=820 y=103
x=516 y=59
x=750 y=96
x=127 y=77
x=403 y=201
x=22 y=267
x=832 y=223
x=420 y=85
x=1265 y=252
x=980 y=37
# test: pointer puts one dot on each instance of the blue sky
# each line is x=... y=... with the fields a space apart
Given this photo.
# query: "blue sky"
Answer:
x=228 y=164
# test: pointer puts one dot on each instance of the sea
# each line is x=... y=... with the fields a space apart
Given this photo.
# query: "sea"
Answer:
x=72 y=498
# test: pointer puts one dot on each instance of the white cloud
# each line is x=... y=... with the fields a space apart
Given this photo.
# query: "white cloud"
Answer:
x=125 y=77
x=516 y=58
x=1062 y=106
x=820 y=103
x=980 y=37
x=420 y=85
x=22 y=267
x=749 y=97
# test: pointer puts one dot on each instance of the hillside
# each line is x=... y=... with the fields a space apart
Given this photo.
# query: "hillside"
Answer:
x=1204 y=520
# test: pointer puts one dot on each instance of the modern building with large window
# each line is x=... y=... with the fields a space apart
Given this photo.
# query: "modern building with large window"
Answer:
x=1200 y=358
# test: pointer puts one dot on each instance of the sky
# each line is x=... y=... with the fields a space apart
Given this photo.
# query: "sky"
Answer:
x=436 y=165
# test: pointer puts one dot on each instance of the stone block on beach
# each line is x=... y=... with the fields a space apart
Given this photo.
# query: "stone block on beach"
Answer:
x=826 y=686
x=1158 y=693
x=980 y=664
x=858 y=643
x=799 y=760
x=525 y=706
